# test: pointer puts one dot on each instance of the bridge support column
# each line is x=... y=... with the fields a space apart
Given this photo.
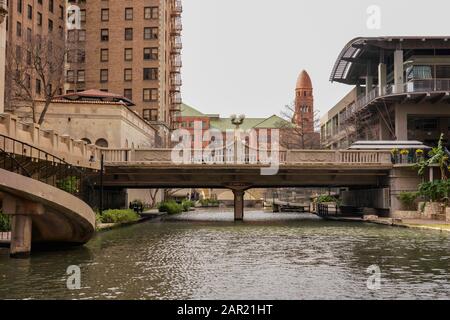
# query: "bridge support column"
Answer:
x=238 y=205
x=20 y=236
x=21 y=212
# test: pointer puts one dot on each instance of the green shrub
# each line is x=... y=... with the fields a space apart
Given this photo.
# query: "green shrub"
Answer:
x=119 y=216
x=171 y=207
x=408 y=200
x=435 y=191
x=187 y=204
x=209 y=203
x=5 y=223
x=326 y=198
x=69 y=184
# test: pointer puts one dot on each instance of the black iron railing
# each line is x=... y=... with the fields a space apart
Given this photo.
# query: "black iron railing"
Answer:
x=327 y=210
x=30 y=161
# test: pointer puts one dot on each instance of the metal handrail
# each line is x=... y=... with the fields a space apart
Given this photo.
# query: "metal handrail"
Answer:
x=413 y=86
x=49 y=169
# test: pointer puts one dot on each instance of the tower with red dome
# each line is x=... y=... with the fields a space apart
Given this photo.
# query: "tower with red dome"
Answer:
x=304 y=103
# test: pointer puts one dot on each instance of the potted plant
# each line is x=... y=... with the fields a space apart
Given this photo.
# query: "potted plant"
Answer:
x=419 y=155
x=394 y=154
x=404 y=155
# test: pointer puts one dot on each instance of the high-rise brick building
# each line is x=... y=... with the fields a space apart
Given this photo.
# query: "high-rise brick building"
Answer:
x=130 y=48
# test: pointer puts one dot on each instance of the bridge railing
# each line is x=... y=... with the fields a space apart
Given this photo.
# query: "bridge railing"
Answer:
x=75 y=152
x=228 y=156
x=27 y=160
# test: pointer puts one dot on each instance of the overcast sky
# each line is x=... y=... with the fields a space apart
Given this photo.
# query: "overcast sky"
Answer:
x=244 y=56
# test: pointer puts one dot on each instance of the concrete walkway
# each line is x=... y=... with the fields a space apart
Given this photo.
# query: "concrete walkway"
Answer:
x=403 y=223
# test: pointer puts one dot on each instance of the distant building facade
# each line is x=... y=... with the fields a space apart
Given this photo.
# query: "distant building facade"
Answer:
x=28 y=21
x=3 y=23
x=401 y=91
x=99 y=118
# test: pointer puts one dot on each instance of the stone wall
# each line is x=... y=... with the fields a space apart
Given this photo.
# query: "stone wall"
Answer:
x=72 y=151
x=402 y=179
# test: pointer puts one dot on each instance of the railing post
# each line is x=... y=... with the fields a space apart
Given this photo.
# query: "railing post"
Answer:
x=101 y=183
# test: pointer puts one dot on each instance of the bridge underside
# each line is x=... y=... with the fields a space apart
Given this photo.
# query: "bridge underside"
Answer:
x=198 y=176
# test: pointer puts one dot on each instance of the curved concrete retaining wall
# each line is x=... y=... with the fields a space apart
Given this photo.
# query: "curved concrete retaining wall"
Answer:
x=64 y=217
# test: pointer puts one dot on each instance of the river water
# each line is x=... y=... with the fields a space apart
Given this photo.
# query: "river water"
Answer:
x=206 y=255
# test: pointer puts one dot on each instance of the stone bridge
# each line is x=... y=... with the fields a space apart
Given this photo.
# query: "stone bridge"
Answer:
x=155 y=168
x=35 y=165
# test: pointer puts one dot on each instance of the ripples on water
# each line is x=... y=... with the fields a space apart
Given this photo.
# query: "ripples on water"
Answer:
x=269 y=256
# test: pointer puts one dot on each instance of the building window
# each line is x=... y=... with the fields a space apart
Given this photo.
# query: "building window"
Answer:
x=50 y=6
x=19 y=29
x=70 y=76
x=29 y=32
x=39 y=19
x=30 y=12
x=128 y=74
x=19 y=6
x=38 y=86
x=150 y=53
x=81 y=35
x=150 y=95
x=81 y=76
x=128 y=93
x=151 y=13
x=105 y=15
x=150 y=114
x=50 y=25
x=128 y=13
x=83 y=15
x=150 y=33
x=104 y=75
x=102 y=143
x=150 y=73
x=128 y=34
x=128 y=56
x=104 y=55
x=104 y=35
x=71 y=35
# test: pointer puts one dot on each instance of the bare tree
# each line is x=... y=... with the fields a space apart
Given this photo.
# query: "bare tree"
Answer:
x=35 y=71
x=298 y=135
x=364 y=124
x=153 y=193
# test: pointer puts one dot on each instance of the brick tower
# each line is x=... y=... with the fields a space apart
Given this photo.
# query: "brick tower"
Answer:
x=304 y=103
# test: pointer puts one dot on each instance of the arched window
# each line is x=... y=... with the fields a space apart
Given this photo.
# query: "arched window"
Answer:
x=86 y=140
x=101 y=143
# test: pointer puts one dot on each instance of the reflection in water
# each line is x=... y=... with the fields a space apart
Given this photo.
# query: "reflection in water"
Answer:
x=269 y=256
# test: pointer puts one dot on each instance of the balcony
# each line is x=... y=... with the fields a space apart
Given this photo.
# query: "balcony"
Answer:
x=419 y=90
x=175 y=81
x=176 y=42
x=177 y=8
x=177 y=26
x=176 y=62
x=175 y=99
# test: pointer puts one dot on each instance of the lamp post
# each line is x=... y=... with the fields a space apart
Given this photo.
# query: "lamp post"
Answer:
x=237 y=121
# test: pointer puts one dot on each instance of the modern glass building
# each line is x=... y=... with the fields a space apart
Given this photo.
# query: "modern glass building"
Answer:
x=400 y=91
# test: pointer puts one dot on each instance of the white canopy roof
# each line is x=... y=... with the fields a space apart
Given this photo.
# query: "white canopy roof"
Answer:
x=388 y=145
